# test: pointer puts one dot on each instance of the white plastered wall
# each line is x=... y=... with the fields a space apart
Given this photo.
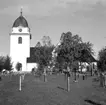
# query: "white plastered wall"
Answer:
x=31 y=65
x=19 y=52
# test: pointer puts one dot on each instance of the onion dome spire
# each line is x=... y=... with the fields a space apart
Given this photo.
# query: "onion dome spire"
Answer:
x=20 y=21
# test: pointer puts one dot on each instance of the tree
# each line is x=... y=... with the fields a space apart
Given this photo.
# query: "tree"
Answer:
x=102 y=64
x=46 y=41
x=72 y=49
x=67 y=50
x=43 y=55
x=7 y=63
x=85 y=51
x=38 y=44
x=18 y=66
x=2 y=60
x=102 y=60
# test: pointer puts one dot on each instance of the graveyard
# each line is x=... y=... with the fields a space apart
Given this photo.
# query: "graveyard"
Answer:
x=34 y=91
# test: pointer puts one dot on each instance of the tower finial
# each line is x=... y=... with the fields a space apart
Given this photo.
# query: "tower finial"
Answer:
x=21 y=11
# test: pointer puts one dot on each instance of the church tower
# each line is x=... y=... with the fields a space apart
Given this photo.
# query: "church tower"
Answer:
x=20 y=42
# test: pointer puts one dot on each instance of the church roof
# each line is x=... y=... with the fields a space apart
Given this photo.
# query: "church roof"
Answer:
x=20 y=21
x=31 y=59
x=89 y=56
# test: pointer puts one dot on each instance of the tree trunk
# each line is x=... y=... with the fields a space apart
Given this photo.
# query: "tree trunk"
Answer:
x=68 y=79
x=91 y=69
x=101 y=80
x=75 y=75
x=81 y=66
x=45 y=75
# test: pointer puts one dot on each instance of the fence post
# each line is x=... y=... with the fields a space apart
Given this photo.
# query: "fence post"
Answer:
x=45 y=79
x=68 y=79
x=68 y=83
x=20 y=83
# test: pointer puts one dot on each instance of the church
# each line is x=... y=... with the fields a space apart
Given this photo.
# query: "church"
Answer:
x=20 y=38
x=20 y=50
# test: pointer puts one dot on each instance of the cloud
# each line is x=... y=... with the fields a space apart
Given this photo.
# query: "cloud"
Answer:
x=42 y=8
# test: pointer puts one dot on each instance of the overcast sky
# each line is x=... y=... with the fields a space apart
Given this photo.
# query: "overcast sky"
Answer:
x=87 y=18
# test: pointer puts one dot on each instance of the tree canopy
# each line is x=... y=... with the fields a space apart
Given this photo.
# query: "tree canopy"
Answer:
x=5 y=63
x=73 y=49
x=46 y=41
x=8 y=64
x=102 y=60
x=43 y=55
x=18 y=66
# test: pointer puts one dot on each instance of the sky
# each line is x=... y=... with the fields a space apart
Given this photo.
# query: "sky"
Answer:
x=87 y=18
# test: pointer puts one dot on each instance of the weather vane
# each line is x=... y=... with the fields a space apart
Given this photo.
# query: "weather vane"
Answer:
x=21 y=10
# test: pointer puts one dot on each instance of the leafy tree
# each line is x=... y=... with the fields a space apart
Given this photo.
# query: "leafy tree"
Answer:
x=85 y=52
x=102 y=64
x=67 y=49
x=18 y=66
x=43 y=55
x=46 y=41
x=7 y=63
x=38 y=44
x=2 y=60
x=102 y=60
x=73 y=50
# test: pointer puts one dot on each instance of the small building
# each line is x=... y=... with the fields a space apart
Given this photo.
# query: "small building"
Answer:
x=90 y=63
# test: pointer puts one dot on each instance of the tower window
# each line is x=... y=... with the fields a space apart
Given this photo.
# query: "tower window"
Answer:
x=20 y=40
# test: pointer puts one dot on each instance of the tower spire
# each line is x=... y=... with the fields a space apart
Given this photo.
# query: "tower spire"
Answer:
x=21 y=11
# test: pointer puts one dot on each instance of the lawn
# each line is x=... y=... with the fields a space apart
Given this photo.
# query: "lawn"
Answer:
x=53 y=92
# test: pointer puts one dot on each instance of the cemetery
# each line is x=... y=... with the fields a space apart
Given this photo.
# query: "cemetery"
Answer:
x=63 y=74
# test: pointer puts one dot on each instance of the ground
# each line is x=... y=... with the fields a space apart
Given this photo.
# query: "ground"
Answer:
x=53 y=92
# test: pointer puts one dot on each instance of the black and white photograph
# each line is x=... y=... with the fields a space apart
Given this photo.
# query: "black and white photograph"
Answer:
x=52 y=52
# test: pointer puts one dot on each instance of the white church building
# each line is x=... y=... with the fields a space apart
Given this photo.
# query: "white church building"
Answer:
x=20 y=38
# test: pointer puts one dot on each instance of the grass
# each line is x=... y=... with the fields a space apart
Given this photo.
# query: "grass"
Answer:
x=53 y=92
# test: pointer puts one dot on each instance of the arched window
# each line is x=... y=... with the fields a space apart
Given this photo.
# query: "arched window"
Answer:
x=20 y=40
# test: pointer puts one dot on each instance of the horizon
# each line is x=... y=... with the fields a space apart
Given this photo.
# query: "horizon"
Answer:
x=53 y=17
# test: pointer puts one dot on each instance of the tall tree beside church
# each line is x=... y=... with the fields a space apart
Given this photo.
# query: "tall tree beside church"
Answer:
x=73 y=46
x=46 y=41
x=72 y=50
x=67 y=49
x=43 y=55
